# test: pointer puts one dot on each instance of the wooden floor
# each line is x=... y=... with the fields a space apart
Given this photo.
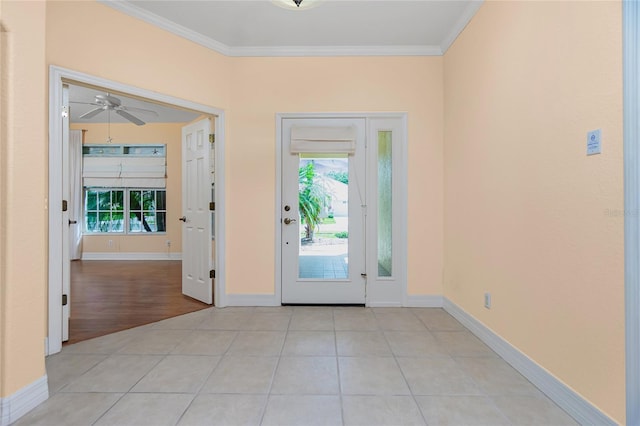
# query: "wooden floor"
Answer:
x=109 y=296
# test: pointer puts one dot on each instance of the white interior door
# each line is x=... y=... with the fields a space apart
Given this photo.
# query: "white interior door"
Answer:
x=323 y=171
x=66 y=221
x=196 y=194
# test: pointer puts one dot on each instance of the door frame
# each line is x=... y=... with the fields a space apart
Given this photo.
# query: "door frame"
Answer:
x=401 y=250
x=631 y=124
x=58 y=76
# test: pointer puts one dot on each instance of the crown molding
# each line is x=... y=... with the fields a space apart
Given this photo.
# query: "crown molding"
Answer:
x=460 y=24
x=336 y=51
x=288 y=51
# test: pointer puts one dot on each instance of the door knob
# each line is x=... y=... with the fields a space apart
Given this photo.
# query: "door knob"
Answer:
x=183 y=218
x=288 y=221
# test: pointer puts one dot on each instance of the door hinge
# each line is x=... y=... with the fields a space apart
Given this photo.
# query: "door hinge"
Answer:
x=64 y=205
x=363 y=276
x=65 y=300
x=65 y=111
x=212 y=273
x=212 y=138
x=212 y=206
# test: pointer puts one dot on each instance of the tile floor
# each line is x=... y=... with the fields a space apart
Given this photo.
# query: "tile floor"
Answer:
x=291 y=366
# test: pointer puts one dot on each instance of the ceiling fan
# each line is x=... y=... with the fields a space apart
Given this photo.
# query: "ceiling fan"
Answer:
x=111 y=103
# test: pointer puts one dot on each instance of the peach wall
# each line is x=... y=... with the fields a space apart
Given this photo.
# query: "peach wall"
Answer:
x=151 y=133
x=262 y=87
x=23 y=209
x=528 y=216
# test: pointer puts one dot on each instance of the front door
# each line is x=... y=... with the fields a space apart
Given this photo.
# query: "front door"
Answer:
x=196 y=195
x=323 y=211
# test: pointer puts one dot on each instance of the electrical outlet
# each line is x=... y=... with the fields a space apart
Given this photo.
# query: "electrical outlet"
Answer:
x=110 y=244
x=487 y=300
x=168 y=243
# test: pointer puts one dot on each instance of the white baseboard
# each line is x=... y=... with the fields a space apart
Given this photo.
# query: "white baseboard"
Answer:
x=424 y=301
x=26 y=399
x=383 y=305
x=131 y=256
x=578 y=407
x=252 y=300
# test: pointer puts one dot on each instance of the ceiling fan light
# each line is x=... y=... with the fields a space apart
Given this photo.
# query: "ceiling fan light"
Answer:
x=296 y=4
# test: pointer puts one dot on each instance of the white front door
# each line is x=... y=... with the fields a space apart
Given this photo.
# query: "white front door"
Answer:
x=196 y=195
x=323 y=211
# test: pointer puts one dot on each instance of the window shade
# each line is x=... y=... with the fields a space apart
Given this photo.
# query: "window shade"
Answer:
x=124 y=172
x=323 y=139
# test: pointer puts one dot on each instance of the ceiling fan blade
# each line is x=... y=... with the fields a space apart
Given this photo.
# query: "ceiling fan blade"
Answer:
x=84 y=103
x=131 y=118
x=141 y=110
x=92 y=113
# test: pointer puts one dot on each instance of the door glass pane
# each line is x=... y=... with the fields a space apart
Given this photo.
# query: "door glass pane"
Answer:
x=323 y=202
x=385 y=203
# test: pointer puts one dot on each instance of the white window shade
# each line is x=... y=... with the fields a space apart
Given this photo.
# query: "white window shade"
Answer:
x=124 y=172
x=323 y=140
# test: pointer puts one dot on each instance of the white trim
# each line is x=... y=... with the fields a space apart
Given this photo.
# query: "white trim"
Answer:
x=402 y=180
x=167 y=25
x=424 y=301
x=252 y=300
x=130 y=256
x=302 y=51
x=460 y=25
x=14 y=406
x=56 y=77
x=290 y=51
x=631 y=109
x=575 y=405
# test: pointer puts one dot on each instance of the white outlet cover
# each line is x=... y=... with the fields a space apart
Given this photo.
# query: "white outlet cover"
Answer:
x=594 y=142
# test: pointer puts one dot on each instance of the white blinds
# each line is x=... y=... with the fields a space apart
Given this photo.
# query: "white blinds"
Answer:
x=121 y=172
x=323 y=139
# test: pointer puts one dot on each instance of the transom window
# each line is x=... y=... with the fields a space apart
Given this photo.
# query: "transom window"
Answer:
x=125 y=210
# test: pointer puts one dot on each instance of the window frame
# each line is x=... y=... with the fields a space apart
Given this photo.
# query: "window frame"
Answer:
x=126 y=211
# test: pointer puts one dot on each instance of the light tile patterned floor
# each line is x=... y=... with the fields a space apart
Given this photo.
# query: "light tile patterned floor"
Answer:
x=291 y=366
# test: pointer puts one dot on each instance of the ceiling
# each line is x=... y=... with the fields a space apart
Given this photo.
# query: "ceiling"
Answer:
x=261 y=28
x=86 y=96
x=333 y=27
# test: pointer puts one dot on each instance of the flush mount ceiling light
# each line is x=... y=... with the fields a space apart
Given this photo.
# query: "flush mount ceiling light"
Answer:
x=296 y=4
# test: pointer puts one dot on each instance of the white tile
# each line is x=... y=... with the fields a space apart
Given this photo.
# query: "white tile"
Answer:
x=362 y=343
x=177 y=374
x=312 y=319
x=182 y=322
x=238 y=374
x=70 y=409
x=224 y=410
x=309 y=343
x=381 y=411
x=371 y=376
x=414 y=343
x=495 y=377
x=531 y=410
x=118 y=373
x=460 y=410
x=257 y=343
x=205 y=342
x=63 y=368
x=307 y=410
x=155 y=342
x=268 y=321
x=135 y=409
x=306 y=376
x=463 y=343
x=436 y=376
x=437 y=319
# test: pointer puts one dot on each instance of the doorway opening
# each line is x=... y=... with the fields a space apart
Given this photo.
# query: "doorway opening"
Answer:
x=128 y=219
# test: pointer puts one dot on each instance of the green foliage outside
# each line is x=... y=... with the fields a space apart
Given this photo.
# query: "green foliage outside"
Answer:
x=312 y=198
x=342 y=234
x=339 y=176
